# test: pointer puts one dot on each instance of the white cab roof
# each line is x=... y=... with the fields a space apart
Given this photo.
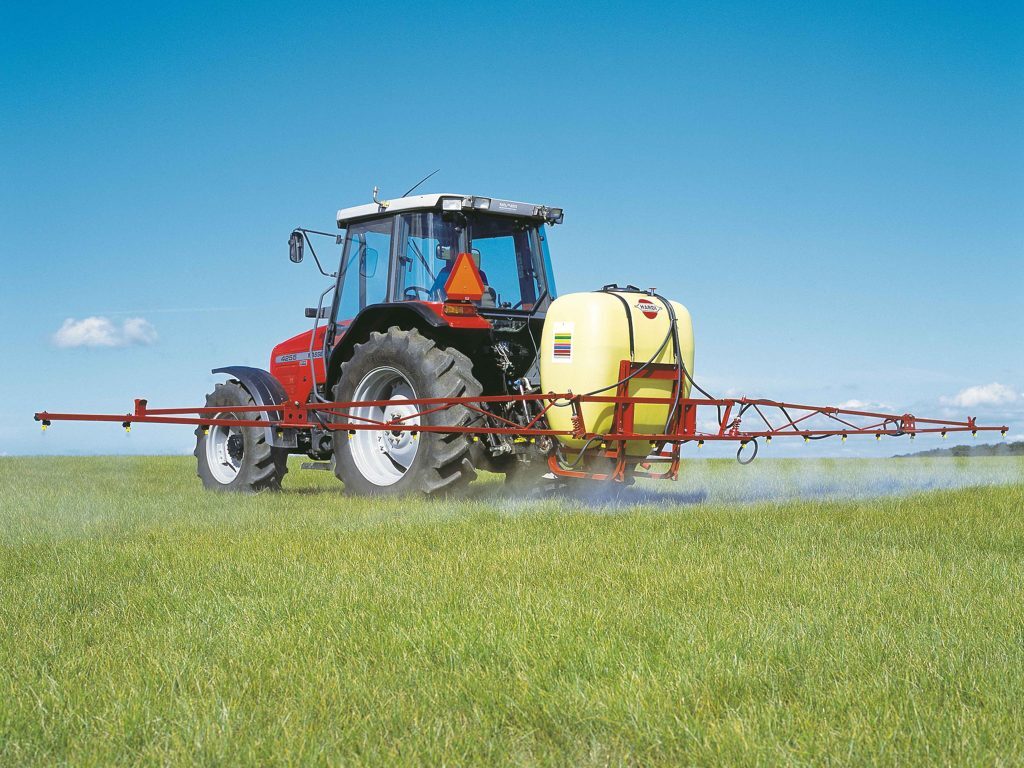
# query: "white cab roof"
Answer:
x=412 y=203
x=433 y=201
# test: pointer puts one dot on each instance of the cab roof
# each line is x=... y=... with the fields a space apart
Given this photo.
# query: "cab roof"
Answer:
x=449 y=201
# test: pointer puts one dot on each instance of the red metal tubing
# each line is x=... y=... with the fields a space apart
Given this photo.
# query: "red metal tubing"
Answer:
x=729 y=427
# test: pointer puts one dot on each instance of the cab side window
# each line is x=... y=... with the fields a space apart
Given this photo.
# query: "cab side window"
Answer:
x=364 y=267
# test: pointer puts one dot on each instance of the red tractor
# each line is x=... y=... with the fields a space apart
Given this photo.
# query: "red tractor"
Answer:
x=403 y=318
x=439 y=347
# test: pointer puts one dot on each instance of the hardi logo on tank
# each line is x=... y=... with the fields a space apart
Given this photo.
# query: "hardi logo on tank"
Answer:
x=648 y=307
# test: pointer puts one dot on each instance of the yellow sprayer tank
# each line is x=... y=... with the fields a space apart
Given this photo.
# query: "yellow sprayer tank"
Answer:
x=586 y=335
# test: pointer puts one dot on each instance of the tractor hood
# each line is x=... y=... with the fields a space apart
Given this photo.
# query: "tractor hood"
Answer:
x=295 y=366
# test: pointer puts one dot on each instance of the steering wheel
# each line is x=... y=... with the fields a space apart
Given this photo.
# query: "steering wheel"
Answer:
x=413 y=292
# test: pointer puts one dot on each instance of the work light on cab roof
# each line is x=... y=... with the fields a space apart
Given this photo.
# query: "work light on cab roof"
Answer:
x=439 y=345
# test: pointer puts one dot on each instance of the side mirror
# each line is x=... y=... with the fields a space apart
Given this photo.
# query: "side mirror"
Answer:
x=368 y=263
x=325 y=312
x=295 y=246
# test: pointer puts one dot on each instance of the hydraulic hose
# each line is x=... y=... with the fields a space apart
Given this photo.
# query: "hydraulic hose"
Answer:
x=673 y=334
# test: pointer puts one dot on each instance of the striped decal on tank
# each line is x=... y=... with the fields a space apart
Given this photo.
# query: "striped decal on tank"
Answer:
x=563 y=345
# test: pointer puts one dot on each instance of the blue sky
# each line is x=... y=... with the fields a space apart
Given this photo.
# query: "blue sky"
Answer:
x=836 y=192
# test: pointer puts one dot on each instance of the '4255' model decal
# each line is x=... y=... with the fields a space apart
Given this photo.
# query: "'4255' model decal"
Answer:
x=299 y=356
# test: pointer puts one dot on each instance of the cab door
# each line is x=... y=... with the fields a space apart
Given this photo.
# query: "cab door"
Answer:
x=364 y=276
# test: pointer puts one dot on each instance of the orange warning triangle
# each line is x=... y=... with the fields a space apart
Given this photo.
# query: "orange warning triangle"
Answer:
x=464 y=283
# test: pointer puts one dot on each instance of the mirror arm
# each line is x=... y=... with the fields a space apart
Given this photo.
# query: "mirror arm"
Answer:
x=305 y=234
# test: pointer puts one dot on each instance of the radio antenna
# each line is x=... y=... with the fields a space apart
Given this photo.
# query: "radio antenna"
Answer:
x=419 y=182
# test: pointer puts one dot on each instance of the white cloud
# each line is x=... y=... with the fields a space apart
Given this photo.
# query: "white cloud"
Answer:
x=983 y=394
x=864 y=405
x=709 y=426
x=103 y=332
x=138 y=330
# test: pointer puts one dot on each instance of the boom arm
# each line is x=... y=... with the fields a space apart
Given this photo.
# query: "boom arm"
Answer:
x=766 y=418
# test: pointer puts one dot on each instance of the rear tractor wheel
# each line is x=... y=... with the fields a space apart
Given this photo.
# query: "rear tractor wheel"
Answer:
x=398 y=366
x=237 y=459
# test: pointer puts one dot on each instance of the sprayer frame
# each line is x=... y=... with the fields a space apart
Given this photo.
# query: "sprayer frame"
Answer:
x=788 y=420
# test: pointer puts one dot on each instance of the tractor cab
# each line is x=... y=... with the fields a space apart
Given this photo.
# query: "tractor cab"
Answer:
x=471 y=272
x=407 y=250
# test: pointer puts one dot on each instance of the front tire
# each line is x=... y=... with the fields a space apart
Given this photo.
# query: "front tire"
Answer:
x=397 y=366
x=237 y=459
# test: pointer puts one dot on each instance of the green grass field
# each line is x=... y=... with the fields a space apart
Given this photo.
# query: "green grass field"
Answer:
x=144 y=621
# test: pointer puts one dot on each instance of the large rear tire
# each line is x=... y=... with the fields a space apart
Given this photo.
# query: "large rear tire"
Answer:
x=237 y=459
x=397 y=366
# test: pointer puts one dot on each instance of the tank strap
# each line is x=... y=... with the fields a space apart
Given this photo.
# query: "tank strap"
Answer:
x=610 y=290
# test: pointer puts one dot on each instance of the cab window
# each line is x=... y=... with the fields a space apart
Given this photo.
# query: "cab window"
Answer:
x=509 y=253
x=505 y=252
x=430 y=243
x=363 y=279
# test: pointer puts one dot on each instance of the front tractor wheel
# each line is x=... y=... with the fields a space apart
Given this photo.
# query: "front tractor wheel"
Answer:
x=237 y=458
x=398 y=366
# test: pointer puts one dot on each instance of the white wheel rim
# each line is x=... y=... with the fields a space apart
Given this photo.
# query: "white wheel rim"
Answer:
x=224 y=451
x=384 y=456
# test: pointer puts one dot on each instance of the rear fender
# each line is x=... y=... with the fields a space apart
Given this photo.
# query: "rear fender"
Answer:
x=265 y=390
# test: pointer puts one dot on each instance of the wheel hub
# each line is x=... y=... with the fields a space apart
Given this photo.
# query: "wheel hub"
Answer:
x=225 y=449
x=384 y=456
x=235 y=446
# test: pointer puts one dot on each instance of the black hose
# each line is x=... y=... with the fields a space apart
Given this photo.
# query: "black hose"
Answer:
x=583 y=450
x=678 y=354
x=682 y=371
x=739 y=451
